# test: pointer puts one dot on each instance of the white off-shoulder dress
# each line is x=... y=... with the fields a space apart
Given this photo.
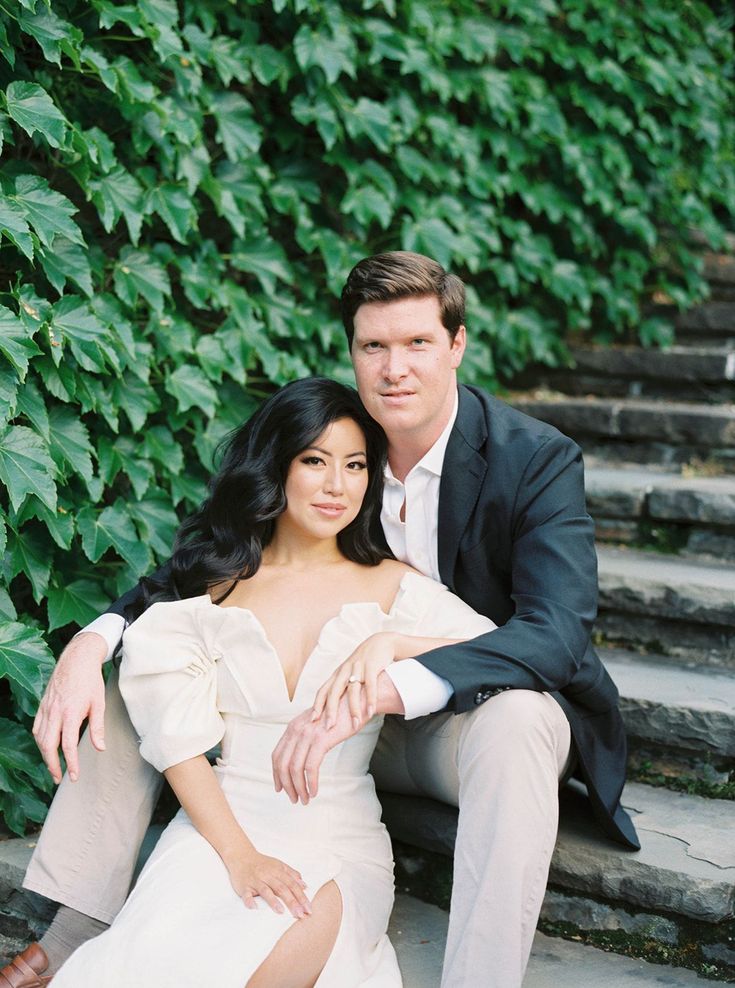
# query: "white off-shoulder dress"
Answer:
x=193 y=675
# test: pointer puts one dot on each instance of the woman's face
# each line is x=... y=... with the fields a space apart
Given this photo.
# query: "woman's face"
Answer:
x=326 y=483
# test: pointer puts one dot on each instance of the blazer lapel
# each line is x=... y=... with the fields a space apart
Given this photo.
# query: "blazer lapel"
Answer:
x=463 y=472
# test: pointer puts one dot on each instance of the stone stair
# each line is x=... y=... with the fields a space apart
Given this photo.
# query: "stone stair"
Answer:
x=657 y=428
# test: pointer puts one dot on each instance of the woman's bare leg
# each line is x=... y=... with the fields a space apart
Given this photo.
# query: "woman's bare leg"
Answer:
x=298 y=958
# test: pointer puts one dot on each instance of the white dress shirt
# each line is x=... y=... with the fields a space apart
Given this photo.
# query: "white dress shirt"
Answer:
x=413 y=541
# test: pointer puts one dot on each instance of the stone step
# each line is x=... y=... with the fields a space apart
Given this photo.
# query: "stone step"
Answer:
x=694 y=514
x=689 y=711
x=419 y=931
x=719 y=268
x=629 y=418
x=710 y=320
x=681 y=608
x=685 y=868
x=696 y=373
x=679 y=889
x=638 y=430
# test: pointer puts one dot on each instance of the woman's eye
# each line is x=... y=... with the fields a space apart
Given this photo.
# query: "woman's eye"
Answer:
x=357 y=465
x=312 y=461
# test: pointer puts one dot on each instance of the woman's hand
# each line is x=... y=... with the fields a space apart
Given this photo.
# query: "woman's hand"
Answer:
x=253 y=874
x=360 y=671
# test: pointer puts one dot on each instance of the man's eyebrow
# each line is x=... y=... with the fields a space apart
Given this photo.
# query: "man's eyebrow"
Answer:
x=325 y=452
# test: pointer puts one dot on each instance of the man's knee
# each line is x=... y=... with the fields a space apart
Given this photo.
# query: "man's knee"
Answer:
x=517 y=721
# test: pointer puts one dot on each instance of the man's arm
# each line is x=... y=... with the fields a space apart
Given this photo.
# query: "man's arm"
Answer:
x=76 y=689
x=553 y=587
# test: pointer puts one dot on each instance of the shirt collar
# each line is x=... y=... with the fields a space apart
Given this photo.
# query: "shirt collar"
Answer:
x=433 y=460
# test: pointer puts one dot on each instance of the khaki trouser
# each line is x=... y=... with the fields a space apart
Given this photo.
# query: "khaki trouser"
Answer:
x=500 y=763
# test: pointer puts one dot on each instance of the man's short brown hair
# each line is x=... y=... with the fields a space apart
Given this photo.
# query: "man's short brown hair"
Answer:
x=400 y=274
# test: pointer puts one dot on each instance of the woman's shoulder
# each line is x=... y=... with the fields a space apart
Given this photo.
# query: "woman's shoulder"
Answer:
x=409 y=584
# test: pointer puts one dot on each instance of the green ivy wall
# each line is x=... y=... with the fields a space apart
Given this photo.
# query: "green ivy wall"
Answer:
x=184 y=186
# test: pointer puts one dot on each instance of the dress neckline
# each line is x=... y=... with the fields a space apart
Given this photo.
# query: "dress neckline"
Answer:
x=258 y=624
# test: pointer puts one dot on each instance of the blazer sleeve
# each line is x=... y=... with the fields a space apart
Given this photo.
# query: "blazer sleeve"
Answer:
x=553 y=588
x=168 y=679
x=122 y=605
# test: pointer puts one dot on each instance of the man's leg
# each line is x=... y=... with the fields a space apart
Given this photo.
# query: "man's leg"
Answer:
x=501 y=765
x=90 y=841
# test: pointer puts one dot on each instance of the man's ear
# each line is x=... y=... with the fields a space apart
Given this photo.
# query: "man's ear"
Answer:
x=457 y=349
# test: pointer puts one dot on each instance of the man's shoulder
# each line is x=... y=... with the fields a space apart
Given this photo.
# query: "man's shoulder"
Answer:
x=503 y=425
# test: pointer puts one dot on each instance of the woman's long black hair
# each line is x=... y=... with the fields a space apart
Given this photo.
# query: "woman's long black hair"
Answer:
x=223 y=540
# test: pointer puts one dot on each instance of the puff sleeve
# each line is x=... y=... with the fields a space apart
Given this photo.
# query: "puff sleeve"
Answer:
x=430 y=610
x=168 y=680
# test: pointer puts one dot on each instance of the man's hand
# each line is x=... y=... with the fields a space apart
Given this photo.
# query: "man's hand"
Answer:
x=299 y=754
x=76 y=690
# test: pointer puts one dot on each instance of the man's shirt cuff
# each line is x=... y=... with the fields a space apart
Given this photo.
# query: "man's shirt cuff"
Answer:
x=111 y=627
x=420 y=689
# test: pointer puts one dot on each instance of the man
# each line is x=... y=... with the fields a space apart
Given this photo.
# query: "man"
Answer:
x=492 y=503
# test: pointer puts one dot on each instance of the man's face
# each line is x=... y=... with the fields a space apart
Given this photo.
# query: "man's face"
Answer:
x=405 y=367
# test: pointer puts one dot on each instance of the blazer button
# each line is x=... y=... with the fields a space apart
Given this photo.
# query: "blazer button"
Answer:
x=479 y=698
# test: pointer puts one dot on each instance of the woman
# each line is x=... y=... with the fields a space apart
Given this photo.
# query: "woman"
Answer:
x=276 y=587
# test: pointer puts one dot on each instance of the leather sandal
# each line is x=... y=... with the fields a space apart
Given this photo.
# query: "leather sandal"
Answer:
x=26 y=970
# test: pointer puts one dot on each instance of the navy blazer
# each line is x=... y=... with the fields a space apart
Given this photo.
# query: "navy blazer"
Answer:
x=517 y=544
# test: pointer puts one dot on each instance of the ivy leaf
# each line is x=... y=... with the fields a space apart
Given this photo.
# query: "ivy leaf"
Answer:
x=333 y=54
x=138 y=272
x=138 y=89
x=7 y=51
x=191 y=388
x=119 y=194
x=264 y=258
x=88 y=337
x=112 y=528
x=270 y=64
x=16 y=343
x=46 y=210
x=52 y=34
x=157 y=523
x=59 y=523
x=32 y=404
x=26 y=467
x=567 y=281
x=367 y=203
x=66 y=260
x=321 y=112
x=13 y=225
x=7 y=608
x=24 y=658
x=70 y=442
x=28 y=553
x=237 y=130
x=371 y=119
x=191 y=490
x=175 y=208
x=136 y=399
x=9 y=389
x=33 y=109
x=138 y=470
x=78 y=602
x=161 y=446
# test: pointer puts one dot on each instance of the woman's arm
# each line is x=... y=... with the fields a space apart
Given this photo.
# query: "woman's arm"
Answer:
x=362 y=668
x=251 y=873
